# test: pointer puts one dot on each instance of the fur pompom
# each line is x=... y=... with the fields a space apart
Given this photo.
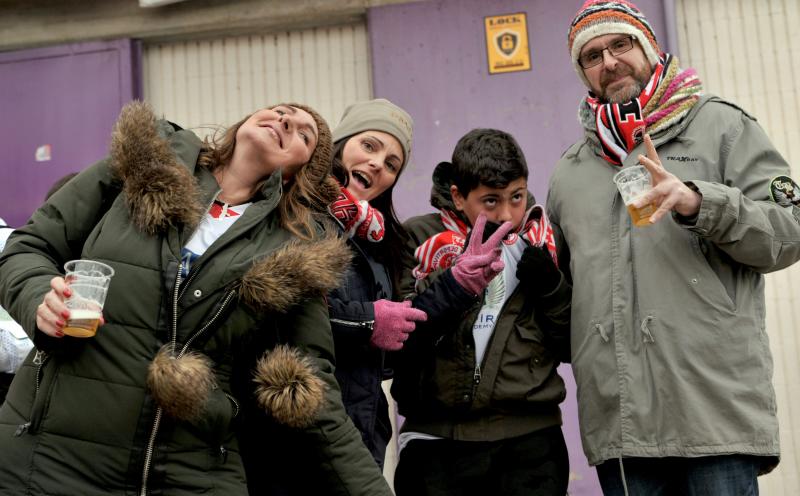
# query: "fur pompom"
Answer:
x=295 y=272
x=287 y=387
x=159 y=190
x=180 y=386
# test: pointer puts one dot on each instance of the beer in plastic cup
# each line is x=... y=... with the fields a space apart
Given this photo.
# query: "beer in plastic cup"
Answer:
x=632 y=183
x=89 y=282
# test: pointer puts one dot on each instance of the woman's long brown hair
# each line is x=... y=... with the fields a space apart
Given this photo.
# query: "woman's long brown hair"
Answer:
x=307 y=195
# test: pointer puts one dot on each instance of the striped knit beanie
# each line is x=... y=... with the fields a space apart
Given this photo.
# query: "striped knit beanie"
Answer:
x=600 y=17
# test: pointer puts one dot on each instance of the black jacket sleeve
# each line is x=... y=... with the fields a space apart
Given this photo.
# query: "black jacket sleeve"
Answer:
x=443 y=299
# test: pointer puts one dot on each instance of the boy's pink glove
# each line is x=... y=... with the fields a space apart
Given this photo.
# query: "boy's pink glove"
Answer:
x=393 y=323
x=476 y=267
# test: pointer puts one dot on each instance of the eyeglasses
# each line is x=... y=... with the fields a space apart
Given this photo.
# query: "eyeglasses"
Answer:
x=616 y=48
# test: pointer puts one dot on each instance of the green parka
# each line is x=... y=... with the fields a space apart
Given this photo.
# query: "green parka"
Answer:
x=669 y=346
x=80 y=417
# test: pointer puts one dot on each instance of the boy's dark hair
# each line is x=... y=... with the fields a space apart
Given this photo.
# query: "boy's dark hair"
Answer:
x=487 y=156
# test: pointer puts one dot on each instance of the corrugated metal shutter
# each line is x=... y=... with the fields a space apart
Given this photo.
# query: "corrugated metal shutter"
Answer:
x=748 y=51
x=208 y=83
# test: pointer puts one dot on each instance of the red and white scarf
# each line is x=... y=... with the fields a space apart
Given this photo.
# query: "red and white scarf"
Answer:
x=667 y=98
x=441 y=250
x=357 y=217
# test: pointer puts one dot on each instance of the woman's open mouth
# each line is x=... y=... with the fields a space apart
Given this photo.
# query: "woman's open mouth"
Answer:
x=362 y=178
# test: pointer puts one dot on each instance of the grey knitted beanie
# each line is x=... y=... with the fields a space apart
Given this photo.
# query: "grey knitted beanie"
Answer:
x=377 y=115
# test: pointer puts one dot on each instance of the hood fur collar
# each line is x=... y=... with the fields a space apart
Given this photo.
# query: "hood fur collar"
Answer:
x=296 y=271
x=160 y=191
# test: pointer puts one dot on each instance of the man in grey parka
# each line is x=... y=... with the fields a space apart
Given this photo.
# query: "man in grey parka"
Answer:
x=669 y=346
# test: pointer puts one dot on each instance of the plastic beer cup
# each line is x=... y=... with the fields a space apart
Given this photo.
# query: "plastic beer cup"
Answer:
x=89 y=282
x=632 y=183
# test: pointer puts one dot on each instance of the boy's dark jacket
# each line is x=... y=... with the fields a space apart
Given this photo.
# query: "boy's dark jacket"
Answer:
x=437 y=385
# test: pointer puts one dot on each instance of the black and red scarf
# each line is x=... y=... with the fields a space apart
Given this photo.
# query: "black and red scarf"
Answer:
x=357 y=217
x=441 y=250
x=665 y=100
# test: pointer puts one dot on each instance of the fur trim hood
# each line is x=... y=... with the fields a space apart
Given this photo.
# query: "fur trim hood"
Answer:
x=160 y=192
x=295 y=272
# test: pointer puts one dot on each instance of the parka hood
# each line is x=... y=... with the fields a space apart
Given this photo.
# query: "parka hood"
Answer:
x=440 y=191
x=296 y=271
x=160 y=192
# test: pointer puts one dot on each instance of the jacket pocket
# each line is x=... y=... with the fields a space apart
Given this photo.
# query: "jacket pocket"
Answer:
x=526 y=364
x=215 y=425
x=707 y=279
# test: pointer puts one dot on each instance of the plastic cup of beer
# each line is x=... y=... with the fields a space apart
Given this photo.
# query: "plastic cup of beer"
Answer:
x=632 y=183
x=89 y=282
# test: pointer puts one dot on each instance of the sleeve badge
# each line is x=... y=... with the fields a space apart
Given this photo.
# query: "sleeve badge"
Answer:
x=784 y=191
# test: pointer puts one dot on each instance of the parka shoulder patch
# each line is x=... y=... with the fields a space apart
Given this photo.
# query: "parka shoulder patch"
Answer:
x=784 y=191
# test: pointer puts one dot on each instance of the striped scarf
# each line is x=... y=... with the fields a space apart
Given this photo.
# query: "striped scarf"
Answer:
x=358 y=219
x=664 y=102
x=441 y=250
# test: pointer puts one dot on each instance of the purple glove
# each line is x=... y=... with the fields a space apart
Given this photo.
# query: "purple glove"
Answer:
x=480 y=262
x=393 y=323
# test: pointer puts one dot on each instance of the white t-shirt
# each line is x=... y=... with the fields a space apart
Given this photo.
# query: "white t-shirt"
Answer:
x=498 y=291
x=219 y=218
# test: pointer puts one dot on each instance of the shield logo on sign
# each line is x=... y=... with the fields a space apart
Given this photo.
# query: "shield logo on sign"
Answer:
x=507 y=42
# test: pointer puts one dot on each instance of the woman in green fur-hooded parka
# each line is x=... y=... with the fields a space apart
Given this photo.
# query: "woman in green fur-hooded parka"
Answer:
x=217 y=301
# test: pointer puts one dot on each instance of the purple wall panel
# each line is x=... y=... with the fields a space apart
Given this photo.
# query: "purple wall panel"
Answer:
x=430 y=58
x=67 y=97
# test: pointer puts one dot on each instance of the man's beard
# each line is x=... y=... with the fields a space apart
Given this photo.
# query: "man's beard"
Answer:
x=627 y=92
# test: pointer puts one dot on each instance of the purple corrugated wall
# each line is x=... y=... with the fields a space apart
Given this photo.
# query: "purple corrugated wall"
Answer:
x=65 y=97
x=430 y=58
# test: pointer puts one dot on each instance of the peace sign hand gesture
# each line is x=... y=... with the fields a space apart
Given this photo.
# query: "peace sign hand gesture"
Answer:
x=476 y=267
x=669 y=192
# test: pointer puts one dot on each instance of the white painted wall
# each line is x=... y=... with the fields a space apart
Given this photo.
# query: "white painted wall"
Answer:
x=748 y=51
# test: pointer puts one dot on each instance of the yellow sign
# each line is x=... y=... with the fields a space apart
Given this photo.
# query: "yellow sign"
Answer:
x=507 y=43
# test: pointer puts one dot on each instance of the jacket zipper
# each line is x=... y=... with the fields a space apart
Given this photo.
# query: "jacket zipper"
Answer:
x=235 y=403
x=148 y=457
x=39 y=359
x=157 y=421
x=366 y=324
x=476 y=373
x=476 y=379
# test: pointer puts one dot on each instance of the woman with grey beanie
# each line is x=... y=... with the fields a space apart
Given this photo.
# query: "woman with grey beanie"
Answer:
x=372 y=144
x=371 y=147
